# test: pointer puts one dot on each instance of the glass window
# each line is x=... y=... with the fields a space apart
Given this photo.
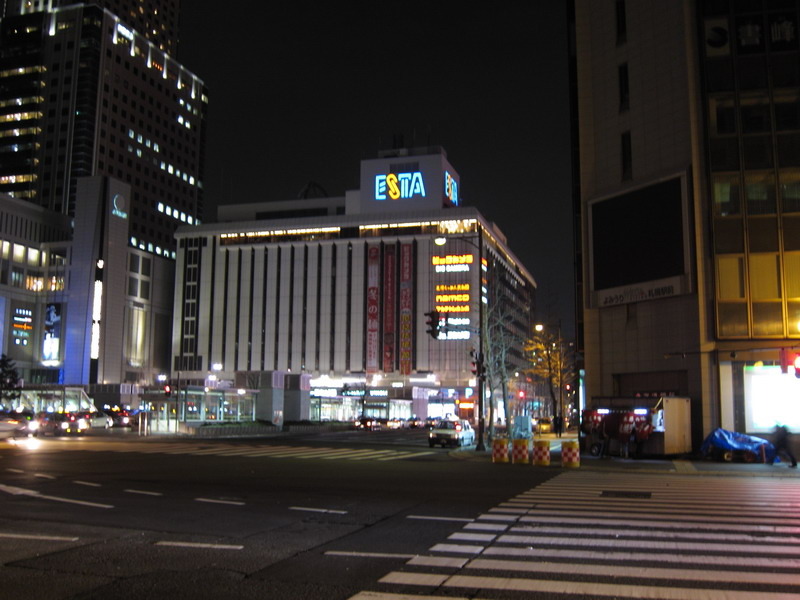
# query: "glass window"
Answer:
x=134 y=263
x=624 y=89
x=759 y=193
x=757 y=151
x=732 y=319
x=622 y=22
x=787 y=112
x=726 y=195
x=790 y=191
x=133 y=286
x=767 y=319
x=791 y=268
x=793 y=317
x=791 y=234
x=764 y=273
x=730 y=277
x=723 y=116
x=755 y=115
x=789 y=150
x=762 y=233
x=724 y=154
x=728 y=236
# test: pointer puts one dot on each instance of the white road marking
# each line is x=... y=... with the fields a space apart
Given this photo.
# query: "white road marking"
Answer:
x=493 y=527
x=199 y=545
x=16 y=491
x=438 y=561
x=215 y=501
x=86 y=483
x=474 y=537
x=388 y=596
x=428 y=518
x=143 y=492
x=318 y=510
x=638 y=572
x=591 y=589
x=43 y=476
x=404 y=455
x=43 y=538
x=15 y=470
x=458 y=548
x=368 y=554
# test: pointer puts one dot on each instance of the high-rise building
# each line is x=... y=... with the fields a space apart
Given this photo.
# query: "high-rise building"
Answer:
x=689 y=128
x=82 y=93
x=100 y=123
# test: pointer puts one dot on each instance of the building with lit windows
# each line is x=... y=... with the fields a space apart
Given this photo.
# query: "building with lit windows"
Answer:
x=99 y=123
x=689 y=123
x=325 y=313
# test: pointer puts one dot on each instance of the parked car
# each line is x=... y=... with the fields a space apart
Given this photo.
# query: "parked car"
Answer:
x=368 y=424
x=18 y=424
x=121 y=418
x=61 y=423
x=452 y=433
x=544 y=425
x=97 y=419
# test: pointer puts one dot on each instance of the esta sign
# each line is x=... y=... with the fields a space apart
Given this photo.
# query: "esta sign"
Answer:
x=396 y=186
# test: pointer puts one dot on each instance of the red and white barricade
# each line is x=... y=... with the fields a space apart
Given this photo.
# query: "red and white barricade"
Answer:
x=541 y=453
x=570 y=454
x=521 y=451
x=500 y=450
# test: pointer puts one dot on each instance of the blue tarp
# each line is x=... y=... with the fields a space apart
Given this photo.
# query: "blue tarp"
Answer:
x=730 y=440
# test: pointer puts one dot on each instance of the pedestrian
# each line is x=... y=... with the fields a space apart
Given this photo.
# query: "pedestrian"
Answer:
x=783 y=445
x=558 y=425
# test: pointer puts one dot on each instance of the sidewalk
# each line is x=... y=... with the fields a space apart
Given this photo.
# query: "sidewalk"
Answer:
x=683 y=465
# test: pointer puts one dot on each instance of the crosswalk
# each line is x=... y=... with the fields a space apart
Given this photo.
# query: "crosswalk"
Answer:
x=619 y=535
x=240 y=450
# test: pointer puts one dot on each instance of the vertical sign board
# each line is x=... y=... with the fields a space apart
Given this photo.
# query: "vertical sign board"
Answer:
x=373 y=307
x=406 y=298
x=51 y=345
x=389 y=308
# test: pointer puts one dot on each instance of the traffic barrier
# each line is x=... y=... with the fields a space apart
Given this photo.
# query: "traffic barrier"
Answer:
x=570 y=454
x=500 y=450
x=541 y=453
x=521 y=451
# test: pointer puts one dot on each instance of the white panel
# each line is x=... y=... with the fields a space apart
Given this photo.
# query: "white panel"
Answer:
x=218 y=315
x=312 y=299
x=284 y=299
x=270 y=332
x=205 y=291
x=340 y=331
x=245 y=292
x=257 y=316
x=298 y=304
x=325 y=310
x=231 y=296
x=357 y=307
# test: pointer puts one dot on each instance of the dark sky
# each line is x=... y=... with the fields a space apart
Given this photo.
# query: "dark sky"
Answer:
x=303 y=91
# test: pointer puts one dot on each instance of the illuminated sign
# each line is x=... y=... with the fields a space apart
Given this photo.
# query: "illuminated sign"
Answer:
x=450 y=188
x=452 y=287
x=452 y=297
x=453 y=259
x=119 y=206
x=396 y=186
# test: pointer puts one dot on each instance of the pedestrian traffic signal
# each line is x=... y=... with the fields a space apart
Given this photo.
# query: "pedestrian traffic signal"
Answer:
x=167 y=391
x=477 y=363
x=433 y=324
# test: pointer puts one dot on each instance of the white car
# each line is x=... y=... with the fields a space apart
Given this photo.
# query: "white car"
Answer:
x=97 y=419
x=451 y=433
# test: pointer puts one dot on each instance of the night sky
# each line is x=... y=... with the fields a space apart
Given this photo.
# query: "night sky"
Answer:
x=303 y=91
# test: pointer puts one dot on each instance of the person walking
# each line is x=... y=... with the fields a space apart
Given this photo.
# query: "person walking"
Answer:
x=783 y=445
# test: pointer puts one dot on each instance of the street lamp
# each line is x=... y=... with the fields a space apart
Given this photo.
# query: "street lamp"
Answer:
x=480 y=446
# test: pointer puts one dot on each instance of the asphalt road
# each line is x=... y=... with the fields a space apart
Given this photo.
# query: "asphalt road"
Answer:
x=113 y=516
x=380 y=516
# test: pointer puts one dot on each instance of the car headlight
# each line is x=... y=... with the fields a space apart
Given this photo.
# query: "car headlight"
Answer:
x=64 y=425
x=33 y=425
x=81 y=423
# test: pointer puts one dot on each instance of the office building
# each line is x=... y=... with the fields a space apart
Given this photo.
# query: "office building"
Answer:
x=329 y=296
x=689 y=122
x=98 y=122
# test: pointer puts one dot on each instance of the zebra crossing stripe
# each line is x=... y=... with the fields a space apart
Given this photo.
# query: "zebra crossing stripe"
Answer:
x=564 y=587
x=679 y=573
x=404 y=455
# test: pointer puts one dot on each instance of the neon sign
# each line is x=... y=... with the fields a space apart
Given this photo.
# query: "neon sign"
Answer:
x=453 y=259
x=450 y=188
x=395 y=186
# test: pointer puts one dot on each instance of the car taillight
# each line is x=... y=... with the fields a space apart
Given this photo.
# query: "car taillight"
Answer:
x=458 y=427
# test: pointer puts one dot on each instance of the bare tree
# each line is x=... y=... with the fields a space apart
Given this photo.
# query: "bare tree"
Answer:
x=552 y=361
x=9 y=381
x=503 y=344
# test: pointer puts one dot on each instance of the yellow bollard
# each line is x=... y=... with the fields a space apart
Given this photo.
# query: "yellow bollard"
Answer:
x=570 y=454
x=500 y=450
x=521 y=451
x=541 y=453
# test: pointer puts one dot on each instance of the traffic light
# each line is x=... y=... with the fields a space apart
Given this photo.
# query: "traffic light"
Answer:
x=433 y=324
x=790 y=358
x=167 y=391
x=477 y=363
